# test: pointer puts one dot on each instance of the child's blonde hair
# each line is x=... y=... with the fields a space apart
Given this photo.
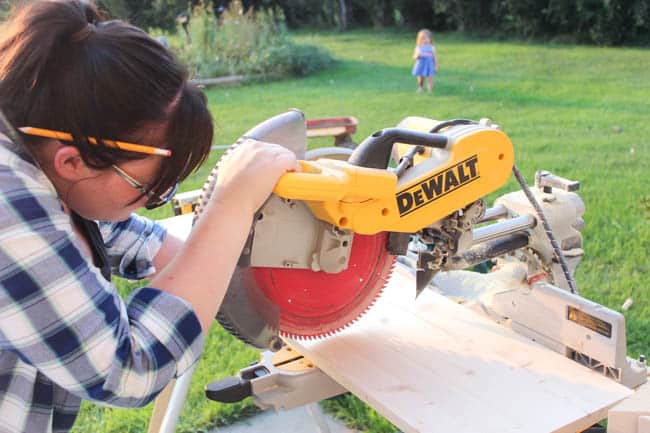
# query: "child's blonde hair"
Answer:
x=421 y=34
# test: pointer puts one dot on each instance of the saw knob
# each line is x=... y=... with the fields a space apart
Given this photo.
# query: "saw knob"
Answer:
x=546 y=181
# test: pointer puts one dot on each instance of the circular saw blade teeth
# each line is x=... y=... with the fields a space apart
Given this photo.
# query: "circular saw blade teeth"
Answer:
x=326 y=330
x=208 y=186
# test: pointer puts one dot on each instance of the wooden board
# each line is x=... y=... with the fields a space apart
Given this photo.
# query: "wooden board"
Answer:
x=632 y=414
x=327 y=131
x=179 y=226
x=432 y=365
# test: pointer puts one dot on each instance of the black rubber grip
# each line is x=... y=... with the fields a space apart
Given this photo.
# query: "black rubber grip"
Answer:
x=375 y=150
x=229 y=390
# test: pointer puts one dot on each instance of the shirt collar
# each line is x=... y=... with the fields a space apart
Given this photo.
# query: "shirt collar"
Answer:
x=16 y=157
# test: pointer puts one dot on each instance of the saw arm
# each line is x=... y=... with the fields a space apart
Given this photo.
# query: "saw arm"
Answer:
x=322 y=247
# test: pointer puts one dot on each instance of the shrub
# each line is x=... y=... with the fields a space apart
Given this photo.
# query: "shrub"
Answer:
x=246 y=42
x=298 y=60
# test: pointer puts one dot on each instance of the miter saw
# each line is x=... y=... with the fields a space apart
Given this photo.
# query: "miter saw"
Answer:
x=324 y=244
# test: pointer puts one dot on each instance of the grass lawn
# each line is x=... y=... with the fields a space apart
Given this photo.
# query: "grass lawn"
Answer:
x=580 y=112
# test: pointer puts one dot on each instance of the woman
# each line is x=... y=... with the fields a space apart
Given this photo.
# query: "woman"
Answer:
x=108 y=124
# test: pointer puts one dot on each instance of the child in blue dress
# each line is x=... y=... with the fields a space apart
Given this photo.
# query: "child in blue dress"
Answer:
x=426 y=63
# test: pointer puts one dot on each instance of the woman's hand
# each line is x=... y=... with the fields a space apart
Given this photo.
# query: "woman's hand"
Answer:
x=248 y=173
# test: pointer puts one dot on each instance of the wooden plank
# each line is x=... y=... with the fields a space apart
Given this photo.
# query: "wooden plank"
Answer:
x=327 y=131
x=179 y=226
x=434 y=366
x=632 y=414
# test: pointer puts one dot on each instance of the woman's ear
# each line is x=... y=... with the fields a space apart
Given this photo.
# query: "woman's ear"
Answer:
x=69 y=164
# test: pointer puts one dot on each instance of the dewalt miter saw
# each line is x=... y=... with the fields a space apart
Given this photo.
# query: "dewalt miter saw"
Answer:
x=322 y=247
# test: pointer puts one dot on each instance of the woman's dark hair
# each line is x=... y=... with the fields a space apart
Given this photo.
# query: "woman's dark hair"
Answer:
x=63 y=68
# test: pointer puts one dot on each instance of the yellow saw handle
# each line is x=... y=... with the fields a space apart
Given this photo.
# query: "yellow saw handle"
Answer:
x=333 y=180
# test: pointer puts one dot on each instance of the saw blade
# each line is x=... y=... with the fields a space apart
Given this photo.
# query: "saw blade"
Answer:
x=306 y=304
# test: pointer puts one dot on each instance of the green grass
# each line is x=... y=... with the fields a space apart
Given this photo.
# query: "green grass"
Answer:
x=580 y=112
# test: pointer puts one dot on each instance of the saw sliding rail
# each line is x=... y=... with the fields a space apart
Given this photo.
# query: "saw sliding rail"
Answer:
x=488 y=242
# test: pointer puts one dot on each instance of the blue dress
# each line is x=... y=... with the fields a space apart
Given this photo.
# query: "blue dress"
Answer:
x=424 y=65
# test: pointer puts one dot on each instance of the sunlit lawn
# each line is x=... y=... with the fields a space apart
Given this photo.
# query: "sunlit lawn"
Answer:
x=581 y=112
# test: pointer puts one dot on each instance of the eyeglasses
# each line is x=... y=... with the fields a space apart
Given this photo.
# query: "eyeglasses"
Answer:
x=154 y=200
x=131 y=147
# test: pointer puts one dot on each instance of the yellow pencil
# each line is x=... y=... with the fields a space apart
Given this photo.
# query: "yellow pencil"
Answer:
x=139 y=148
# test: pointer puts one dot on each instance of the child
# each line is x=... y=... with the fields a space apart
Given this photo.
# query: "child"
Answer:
x=65 y=333
x=426 y=63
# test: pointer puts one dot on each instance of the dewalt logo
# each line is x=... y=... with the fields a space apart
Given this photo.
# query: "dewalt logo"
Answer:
x=438 y=185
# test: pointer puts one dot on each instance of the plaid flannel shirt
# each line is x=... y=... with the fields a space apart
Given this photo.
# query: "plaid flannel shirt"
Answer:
x=65 y=333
